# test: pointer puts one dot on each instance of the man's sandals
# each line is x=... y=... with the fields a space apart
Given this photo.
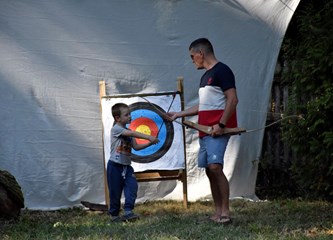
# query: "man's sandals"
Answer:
x=223 y=220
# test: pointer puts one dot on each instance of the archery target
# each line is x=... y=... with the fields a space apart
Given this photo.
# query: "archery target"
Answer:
x=145 y=118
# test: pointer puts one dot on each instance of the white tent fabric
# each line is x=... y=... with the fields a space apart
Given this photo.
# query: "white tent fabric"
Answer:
x=54 y=53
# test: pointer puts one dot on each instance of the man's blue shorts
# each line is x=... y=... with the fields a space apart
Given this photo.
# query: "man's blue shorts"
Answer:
x=212 y=150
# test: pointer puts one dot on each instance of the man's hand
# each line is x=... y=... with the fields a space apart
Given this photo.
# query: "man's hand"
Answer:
x=170 y=116
x=217 y=131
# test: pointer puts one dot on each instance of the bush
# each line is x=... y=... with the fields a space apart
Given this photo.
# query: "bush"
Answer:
x=308 y=57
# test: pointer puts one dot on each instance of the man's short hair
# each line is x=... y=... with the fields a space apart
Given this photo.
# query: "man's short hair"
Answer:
x=202 y=44
x=116 y=109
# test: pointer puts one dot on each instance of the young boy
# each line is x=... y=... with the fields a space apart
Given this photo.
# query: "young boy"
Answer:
x=120 y=173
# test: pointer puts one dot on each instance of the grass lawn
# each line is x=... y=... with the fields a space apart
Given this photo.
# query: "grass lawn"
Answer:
x=277 y=219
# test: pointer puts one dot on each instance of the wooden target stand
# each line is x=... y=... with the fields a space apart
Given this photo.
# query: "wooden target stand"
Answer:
x=149 y=175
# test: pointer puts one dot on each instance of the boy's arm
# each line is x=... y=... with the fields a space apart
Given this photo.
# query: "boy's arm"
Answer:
x=135 y=134
x=140 y=146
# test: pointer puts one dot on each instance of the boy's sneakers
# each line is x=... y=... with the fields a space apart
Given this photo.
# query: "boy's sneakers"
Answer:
x=115 y=219
x=129 y=216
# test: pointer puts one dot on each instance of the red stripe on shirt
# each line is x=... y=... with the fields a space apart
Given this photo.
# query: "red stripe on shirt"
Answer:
x=212 y=117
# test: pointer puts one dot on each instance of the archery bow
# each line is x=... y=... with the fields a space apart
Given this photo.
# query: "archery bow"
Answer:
x=300 y=116
x=228 y=131
x=235 y=131
x=196 y=126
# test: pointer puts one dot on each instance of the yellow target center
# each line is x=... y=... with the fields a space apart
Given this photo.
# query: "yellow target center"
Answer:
x=143 y=129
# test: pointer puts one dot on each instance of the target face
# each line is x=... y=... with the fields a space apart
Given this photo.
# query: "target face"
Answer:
x=169 y=153
x=146 y=119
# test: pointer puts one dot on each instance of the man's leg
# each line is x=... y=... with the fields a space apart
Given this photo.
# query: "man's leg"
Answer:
x=220 y=190
x=211 y=157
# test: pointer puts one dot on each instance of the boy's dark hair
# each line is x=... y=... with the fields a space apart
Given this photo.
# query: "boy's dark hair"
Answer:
x=116 y=109
x=202 y=43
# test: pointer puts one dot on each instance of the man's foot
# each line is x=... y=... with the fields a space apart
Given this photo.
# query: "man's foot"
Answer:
x=224 y=220
x=214 y=218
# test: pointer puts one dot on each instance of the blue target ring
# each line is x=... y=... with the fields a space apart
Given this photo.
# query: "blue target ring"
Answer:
x=165 y=132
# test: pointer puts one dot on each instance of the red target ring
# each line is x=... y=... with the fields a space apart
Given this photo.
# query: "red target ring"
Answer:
x=144 y=125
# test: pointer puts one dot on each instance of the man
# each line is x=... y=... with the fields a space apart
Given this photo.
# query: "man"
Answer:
x=216 y=108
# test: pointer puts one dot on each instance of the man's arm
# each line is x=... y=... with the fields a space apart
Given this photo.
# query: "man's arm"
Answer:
x=188 y=112
x=230 y=108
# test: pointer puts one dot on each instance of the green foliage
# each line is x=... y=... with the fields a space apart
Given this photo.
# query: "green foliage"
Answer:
x=308 y=57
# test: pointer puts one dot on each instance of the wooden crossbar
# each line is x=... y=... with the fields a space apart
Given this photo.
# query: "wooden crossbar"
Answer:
x=158 y=175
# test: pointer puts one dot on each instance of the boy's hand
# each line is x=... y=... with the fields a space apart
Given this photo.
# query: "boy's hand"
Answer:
x=153 y=140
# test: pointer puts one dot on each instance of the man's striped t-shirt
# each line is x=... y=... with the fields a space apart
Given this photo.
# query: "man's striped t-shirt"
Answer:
x=211 y=97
